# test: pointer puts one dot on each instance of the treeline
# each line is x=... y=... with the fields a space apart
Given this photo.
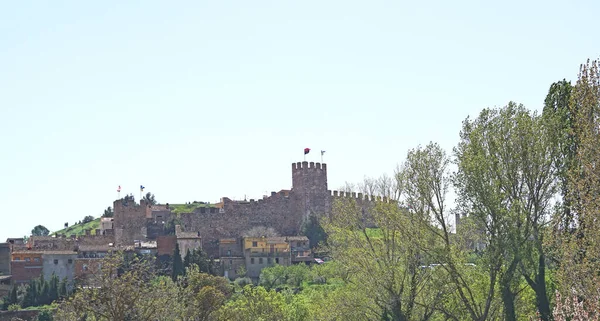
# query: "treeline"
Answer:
x=37 y=292
x=527 y=188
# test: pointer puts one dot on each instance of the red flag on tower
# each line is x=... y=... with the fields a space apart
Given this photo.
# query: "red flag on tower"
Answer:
x=306 y=151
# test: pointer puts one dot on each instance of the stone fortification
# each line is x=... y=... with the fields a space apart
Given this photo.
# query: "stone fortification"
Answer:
x=285 y=211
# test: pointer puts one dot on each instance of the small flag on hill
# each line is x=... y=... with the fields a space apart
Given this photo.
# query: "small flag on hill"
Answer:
x=322 y=152
x=119 y=189
x=142 y=188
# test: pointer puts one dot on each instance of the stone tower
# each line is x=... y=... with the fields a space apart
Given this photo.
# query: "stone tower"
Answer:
x=309 y=187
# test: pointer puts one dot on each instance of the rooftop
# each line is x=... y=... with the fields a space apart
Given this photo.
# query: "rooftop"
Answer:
x=188 y=235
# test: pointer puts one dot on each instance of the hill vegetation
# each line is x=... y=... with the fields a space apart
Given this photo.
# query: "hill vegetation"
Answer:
x=79 y=229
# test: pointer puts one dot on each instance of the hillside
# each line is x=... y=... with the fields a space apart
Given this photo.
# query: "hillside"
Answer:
x=79 y=229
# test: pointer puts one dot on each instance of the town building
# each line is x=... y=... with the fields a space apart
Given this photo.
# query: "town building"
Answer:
x=25 y=266
x=59 y=263
x=4 y=259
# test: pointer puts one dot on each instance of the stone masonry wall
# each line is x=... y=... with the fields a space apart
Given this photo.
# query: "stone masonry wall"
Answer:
x=130 y=221
x=4 y=259
x=238 y=217
x=285 y=211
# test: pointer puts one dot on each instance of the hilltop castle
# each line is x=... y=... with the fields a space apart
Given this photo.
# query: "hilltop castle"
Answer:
x=218 y=229
x=285 y=211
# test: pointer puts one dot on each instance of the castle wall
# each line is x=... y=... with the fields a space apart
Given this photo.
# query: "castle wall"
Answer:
x=4 y=259
x=309 y=186
x=130 y=221
x=285 y=212
x=238 y=217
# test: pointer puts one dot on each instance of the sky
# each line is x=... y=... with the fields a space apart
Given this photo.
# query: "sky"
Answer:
x=197 y=100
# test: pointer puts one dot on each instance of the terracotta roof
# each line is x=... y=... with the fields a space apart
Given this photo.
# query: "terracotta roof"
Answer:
x=27 y=252
x=59 y=252
x=279 y=239
x=91 y=248
x=297 y=238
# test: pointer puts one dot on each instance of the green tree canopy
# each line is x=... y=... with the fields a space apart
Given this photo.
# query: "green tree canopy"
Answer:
x=40 y=230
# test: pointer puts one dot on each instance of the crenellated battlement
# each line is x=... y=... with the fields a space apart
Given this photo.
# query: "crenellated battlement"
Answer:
x=360 y=196
x=308 y=165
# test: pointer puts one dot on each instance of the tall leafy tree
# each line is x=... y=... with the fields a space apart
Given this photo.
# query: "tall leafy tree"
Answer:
x=580 y=260
x=560 y=116
x=40 y=230
x=177 y=268
x=384 y=262
x=108 y=212
x=426 y=181
x=119 y=293
x=506 y=181
x=149 y=198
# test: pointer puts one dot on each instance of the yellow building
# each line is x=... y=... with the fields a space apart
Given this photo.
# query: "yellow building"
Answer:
x=261 y=252
x=266 y=245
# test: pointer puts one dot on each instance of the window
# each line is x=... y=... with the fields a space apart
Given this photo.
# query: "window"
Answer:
x=277 y=260
x=269 y=260
x=27 y=259
x=36 y=259
x=254 y=244
x=252 y=261
x=228 y=252
x=55 y=261
x=17 y=258
x=70 y=261
x=260 y=260
x=230 y=262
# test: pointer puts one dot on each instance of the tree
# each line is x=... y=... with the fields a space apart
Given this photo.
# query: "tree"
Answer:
x=178 y=269
x=580 y=260
x=506 y=181
x=383 y=262
x=425 y=181
x=40 y=230
x=560 y=116
x=108 y=212
x=199 y=258
x=87 y=219
x=45 y=315
x=202 y=294
x=314 y=231
x=122 y=290
x=255 y=303
x=128 y=199
x=149 y=198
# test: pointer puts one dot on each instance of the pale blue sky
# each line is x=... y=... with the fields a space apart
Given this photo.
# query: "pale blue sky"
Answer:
x=203 y=99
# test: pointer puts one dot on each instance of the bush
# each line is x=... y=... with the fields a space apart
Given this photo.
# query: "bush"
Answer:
x=45 y=315
x=319 y=280
x=242 y=282
x=14 y=307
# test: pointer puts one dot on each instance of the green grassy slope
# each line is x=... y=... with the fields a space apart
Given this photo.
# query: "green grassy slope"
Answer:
x=79 y=229
x=188 y=208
